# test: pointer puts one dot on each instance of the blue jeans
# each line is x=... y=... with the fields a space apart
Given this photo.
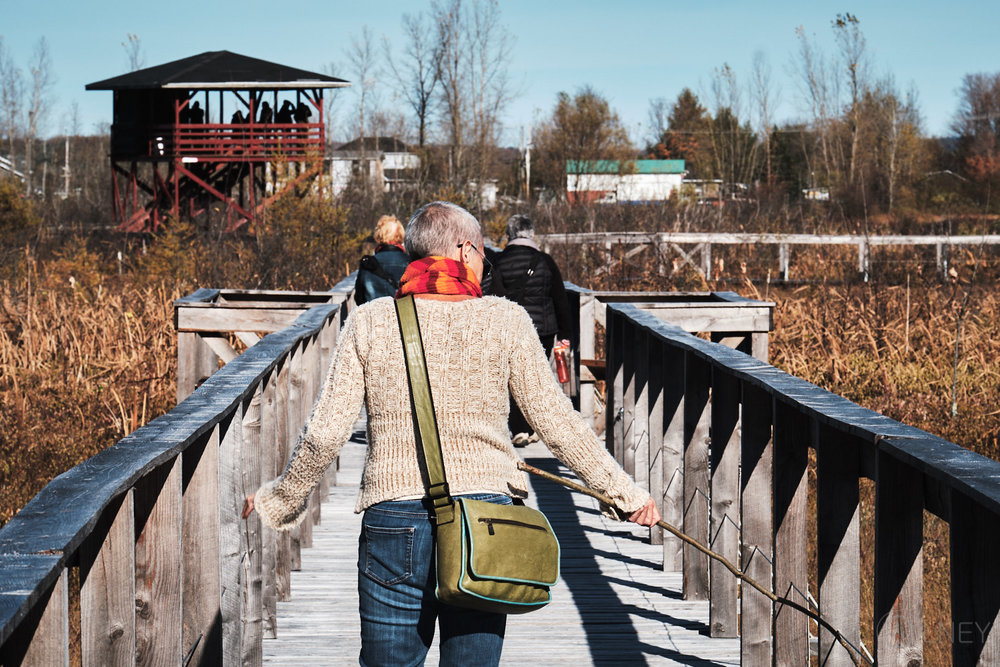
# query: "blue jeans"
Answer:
x=396 y=582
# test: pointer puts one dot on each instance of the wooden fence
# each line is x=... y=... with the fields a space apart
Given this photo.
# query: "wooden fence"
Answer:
x=689 y=244
x=724 y=441
x=163 y=569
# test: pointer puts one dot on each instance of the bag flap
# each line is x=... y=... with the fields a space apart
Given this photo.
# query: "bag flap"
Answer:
x=510 y=543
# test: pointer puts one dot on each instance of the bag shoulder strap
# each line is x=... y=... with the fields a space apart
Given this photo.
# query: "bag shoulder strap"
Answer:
x=370 y=263
x=423 y=406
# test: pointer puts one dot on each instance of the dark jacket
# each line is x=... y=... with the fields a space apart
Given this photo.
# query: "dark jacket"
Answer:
x=542 y=293
x=371 y=286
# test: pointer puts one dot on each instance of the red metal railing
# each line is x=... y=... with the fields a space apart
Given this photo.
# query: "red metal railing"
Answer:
x=240 y=143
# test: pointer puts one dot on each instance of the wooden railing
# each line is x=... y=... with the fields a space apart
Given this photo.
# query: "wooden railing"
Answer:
x=724 y=441
x=163 y=570
x=687 y=244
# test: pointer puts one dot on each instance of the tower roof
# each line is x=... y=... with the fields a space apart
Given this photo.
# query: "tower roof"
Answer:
x=219 y=70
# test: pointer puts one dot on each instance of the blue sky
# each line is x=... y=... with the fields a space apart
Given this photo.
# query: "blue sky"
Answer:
x=630 y=51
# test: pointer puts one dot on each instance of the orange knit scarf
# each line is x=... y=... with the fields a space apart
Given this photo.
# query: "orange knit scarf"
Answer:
x=438 y=275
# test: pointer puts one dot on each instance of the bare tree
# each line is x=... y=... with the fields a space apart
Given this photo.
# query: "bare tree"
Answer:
x=11 y=96
x=133 y=52
x=818 y=92
x=734 y=147
x=362 y=60
x=473 y=52
x=417 y=74
x=765 y=96
x=659 y=120
x=855 y=63
x=42 y=81
x=332 y=100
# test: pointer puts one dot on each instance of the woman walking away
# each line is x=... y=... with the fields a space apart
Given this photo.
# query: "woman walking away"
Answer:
x=379 y=274
x=475 y=348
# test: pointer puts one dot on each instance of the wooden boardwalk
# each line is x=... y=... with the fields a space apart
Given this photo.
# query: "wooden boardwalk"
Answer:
x=613 y=605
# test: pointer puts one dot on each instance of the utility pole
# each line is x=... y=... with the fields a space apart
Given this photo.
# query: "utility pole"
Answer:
x=65 y=192
x=526 y=152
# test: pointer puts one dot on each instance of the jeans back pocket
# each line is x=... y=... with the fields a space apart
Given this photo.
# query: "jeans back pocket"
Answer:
x=388 y=553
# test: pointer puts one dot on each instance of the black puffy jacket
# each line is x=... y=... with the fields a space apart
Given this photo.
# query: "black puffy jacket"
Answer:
x=542 y=293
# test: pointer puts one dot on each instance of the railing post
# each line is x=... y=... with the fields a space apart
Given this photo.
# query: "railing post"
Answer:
x=655 y=376
x=232 y=538
x=311 y=389
x=975 y=587
x=899 y=537
x=586 y=351
x=784 y=261
x=269 y=443
x=640 y=414
x=107 y=588
x=195 y=362
x=756 y=621
x=294 y=409
x=838 y=468
x=202 y=635
x=791 y=463
x=672 y=371
x=614 y=387
x=630 y=362
x=158 y=566
x=697 y=420
x=42 y=638
x=252 y=622
x=283 y=552
x=725 y=501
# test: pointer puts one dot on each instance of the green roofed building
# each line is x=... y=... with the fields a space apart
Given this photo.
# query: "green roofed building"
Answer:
x=627 y=181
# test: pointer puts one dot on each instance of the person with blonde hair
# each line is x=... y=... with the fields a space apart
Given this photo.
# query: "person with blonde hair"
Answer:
x=379 y=274
x=476 y=348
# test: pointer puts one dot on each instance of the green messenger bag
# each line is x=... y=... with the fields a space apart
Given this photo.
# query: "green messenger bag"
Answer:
x=490 y=557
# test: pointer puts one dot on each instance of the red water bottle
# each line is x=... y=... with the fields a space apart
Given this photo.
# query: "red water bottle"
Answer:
x=561 y=352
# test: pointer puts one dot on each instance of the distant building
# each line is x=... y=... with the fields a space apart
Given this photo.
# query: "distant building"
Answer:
x=632 y=181
x=385 y=160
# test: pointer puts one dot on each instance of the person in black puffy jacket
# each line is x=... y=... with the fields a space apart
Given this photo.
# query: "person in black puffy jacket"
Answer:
x=379 y=274
x=526 y=275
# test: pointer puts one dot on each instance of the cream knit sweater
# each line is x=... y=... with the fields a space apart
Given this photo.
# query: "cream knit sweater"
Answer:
x=475 y=350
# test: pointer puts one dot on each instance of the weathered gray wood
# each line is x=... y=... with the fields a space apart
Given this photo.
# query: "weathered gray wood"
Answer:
x=839 y=546
x=220 y=346
x=232 y=537
x=283 y=551
x=269 y=470
x=236 y=319
x=791 y=443
x=725 y=505
x=615 y=388
x=899 y=525
x=743 y=238
x=699 y=318
x=672 y=454
x=248 y=338
x=975 y=587
x=311 y=391
x=49 y=644
x=697 y=488
x=294 y=403
x=195 y=362
x=656 y=375
x=202 y=631
x=252 y=604
x=756 y=621
x=158 y=566
x=107 y=588
x=586 y=351
x=640 y=437
x=630 y=436
x=759 y=346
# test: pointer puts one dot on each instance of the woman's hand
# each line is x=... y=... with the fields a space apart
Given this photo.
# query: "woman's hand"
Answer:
x=647 y=515
x=248 y=507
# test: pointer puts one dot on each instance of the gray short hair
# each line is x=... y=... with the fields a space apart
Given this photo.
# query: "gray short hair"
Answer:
x=520 y=227
x=438 y=227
